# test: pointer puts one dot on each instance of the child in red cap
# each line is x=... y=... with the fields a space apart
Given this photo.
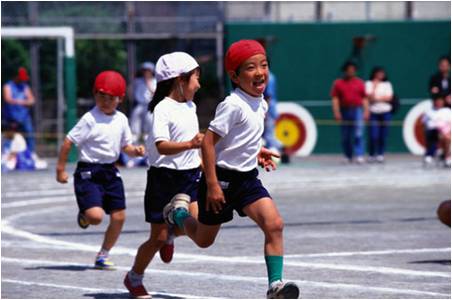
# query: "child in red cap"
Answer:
x=100 y=135
x=231 y=151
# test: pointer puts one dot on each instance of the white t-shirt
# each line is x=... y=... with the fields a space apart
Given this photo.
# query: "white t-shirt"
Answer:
x=176 y=122
x=383 y=89
x=239 y=120
x=18 y=144
x=100 y=137
x=437 y=119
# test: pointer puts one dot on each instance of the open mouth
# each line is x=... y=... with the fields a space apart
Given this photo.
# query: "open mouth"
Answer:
x=259 y=83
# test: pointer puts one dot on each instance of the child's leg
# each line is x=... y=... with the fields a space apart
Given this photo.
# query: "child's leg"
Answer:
x=117 y=218
x=266 y=215
x=147 y=250
x=193 y=209
x=94 y=215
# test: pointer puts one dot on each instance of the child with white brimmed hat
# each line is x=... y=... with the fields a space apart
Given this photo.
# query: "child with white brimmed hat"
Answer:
x=174 y=159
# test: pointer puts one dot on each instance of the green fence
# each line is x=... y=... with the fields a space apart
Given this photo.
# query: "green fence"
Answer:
x=306 y=58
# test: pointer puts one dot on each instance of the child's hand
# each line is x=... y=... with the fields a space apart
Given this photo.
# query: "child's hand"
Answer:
x=197 y=141
x=62 y=176
x=264 y=159
x=215 y=198
x=139 y=150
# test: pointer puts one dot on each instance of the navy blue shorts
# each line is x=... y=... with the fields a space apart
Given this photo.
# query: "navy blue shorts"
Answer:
x=240 y=189
x=99 y=185
x=163 y=184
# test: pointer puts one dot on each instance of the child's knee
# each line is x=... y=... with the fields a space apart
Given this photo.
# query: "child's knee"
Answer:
x=94 y=215
x=205 y=243
x=118 y=216
x=274 y=226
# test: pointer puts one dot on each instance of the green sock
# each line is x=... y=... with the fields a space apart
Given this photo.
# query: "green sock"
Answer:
x=179 y=217
x=274 y=267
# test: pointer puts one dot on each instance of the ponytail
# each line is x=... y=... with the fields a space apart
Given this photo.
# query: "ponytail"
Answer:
x=163 y=90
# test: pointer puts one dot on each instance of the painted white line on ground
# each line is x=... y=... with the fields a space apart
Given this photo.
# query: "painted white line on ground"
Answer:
x=258 y=280
x=94 y=290
x=379 y=252
x=6 y=228
x=52 y=192
x=56 y=199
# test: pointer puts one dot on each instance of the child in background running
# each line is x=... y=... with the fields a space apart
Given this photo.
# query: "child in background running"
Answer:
x=231 y=151
x=173 y=154
x=100 y=135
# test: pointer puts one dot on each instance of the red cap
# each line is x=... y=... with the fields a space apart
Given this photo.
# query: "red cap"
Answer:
x=22 y=74
x=110 y=82
x=240 y=51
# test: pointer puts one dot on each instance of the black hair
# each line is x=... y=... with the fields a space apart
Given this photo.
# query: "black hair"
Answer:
x=437 y=96
x=444 y=57
x=374 y=72
x=348 y=64
x=164 y=88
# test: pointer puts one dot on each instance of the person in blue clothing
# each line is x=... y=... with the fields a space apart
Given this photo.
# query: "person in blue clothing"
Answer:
x=18 y=99
x=272 y=114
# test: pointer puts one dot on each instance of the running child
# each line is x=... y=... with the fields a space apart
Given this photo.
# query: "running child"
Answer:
x=172 y=148
x=100 y=135
x=231 y=151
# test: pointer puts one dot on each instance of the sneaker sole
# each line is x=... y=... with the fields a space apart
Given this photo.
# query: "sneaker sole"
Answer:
x=290 y=291
x=105 y=268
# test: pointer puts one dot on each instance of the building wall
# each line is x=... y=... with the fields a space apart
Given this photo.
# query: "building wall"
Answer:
x=298 y=11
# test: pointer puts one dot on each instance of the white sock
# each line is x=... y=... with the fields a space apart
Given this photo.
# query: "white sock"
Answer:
x=103 y=252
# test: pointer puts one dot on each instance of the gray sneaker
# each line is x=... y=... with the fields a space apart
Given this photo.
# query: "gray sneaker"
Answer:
x=283 y=290
x=178 y=201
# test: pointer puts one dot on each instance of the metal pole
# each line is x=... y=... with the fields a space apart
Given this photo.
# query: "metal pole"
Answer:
x=409 y=10
x=34 y=70
x=318 y=11
x=131 y=47
x=60 y=93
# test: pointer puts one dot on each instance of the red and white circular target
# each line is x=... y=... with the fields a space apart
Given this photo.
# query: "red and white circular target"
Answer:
x=295 y=129
x=413 y=129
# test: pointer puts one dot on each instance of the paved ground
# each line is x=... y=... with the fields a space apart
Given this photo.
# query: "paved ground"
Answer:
x=351 y=232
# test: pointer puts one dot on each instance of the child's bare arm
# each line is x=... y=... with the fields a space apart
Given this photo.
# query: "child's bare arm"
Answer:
x=171 y=148
x=215 y=197
x=133 y=151
x=61 y=174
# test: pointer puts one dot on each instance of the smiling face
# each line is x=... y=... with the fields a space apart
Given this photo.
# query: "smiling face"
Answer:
x=191 y=86
x=252 y=76
x=107 y=103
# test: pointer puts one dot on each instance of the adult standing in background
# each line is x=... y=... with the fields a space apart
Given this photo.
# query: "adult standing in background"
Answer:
x=380 y=93
x=144 y=87
x=350 y=108
x=18 y=100
x=440 y=81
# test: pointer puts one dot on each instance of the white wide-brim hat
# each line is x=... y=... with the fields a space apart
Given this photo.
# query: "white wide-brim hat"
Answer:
x=174 y=64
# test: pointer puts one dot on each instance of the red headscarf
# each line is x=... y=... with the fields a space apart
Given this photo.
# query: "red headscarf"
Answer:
x=240 y=51
x=22 y=74
x=110 y=82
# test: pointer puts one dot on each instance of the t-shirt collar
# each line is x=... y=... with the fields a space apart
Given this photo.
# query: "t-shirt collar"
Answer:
x=247 y=96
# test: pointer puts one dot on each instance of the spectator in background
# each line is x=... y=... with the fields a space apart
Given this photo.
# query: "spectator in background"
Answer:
x=350 y=108
x=272 y=114
x=440 y=81
x=437 y=130
x=18 y=99
x=144 y=87
x=379 y=92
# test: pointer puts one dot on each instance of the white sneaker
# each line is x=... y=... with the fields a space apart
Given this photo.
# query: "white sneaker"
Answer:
x=447 y=163
x=359 y=160
x=179 y=201
x=380 y=159
x=428 y=160
x=283 y=290
x=40 y=164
